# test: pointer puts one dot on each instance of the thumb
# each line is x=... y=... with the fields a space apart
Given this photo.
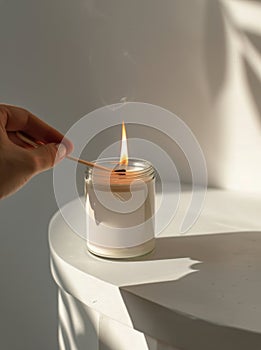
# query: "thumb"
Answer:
x=46 y=156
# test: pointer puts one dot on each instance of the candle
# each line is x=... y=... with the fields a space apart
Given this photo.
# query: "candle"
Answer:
x=120 y=207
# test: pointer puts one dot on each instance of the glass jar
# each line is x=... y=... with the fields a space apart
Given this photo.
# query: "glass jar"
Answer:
x=120 y=208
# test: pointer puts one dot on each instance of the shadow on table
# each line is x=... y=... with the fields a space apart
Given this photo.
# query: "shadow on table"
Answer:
x=192 y=311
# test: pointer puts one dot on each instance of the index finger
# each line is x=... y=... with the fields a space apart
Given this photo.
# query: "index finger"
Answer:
x=20 y=119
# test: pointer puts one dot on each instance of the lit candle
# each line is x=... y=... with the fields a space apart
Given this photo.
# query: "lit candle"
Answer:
x=120 y=206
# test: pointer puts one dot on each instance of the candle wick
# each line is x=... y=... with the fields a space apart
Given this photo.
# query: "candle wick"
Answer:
x=120 y=171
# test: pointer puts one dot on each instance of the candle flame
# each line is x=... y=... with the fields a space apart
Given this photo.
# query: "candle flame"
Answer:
x=124 y=148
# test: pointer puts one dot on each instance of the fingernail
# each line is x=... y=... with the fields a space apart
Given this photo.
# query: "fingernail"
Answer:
x=61 y=150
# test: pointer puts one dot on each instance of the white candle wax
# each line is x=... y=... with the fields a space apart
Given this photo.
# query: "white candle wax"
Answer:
x=120 y=210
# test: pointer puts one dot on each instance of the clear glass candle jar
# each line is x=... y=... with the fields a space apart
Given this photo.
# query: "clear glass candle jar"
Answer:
x=120 y=208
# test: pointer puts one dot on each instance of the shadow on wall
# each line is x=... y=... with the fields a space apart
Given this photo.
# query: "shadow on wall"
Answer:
x=232 y=67
x=215 y=48
x=254 y=83
x=224 y=287
x=249 y=42
x=218 y=18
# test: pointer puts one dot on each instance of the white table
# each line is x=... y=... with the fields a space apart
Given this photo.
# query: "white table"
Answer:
x=199 y=291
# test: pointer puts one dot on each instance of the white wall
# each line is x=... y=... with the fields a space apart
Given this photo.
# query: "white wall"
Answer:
x=62 y=59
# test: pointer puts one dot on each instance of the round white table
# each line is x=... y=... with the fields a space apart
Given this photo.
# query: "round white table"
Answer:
x=198 y=291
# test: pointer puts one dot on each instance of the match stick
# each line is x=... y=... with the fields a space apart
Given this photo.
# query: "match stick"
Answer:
x=85 y=162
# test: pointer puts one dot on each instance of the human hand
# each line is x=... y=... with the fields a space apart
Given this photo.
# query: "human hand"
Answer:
x=18 y=161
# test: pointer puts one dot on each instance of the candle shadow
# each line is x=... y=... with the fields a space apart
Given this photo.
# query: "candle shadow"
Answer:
x=217 y=306
x=198 y=247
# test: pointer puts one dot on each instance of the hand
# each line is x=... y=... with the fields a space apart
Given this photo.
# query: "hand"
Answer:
x=18 y=161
